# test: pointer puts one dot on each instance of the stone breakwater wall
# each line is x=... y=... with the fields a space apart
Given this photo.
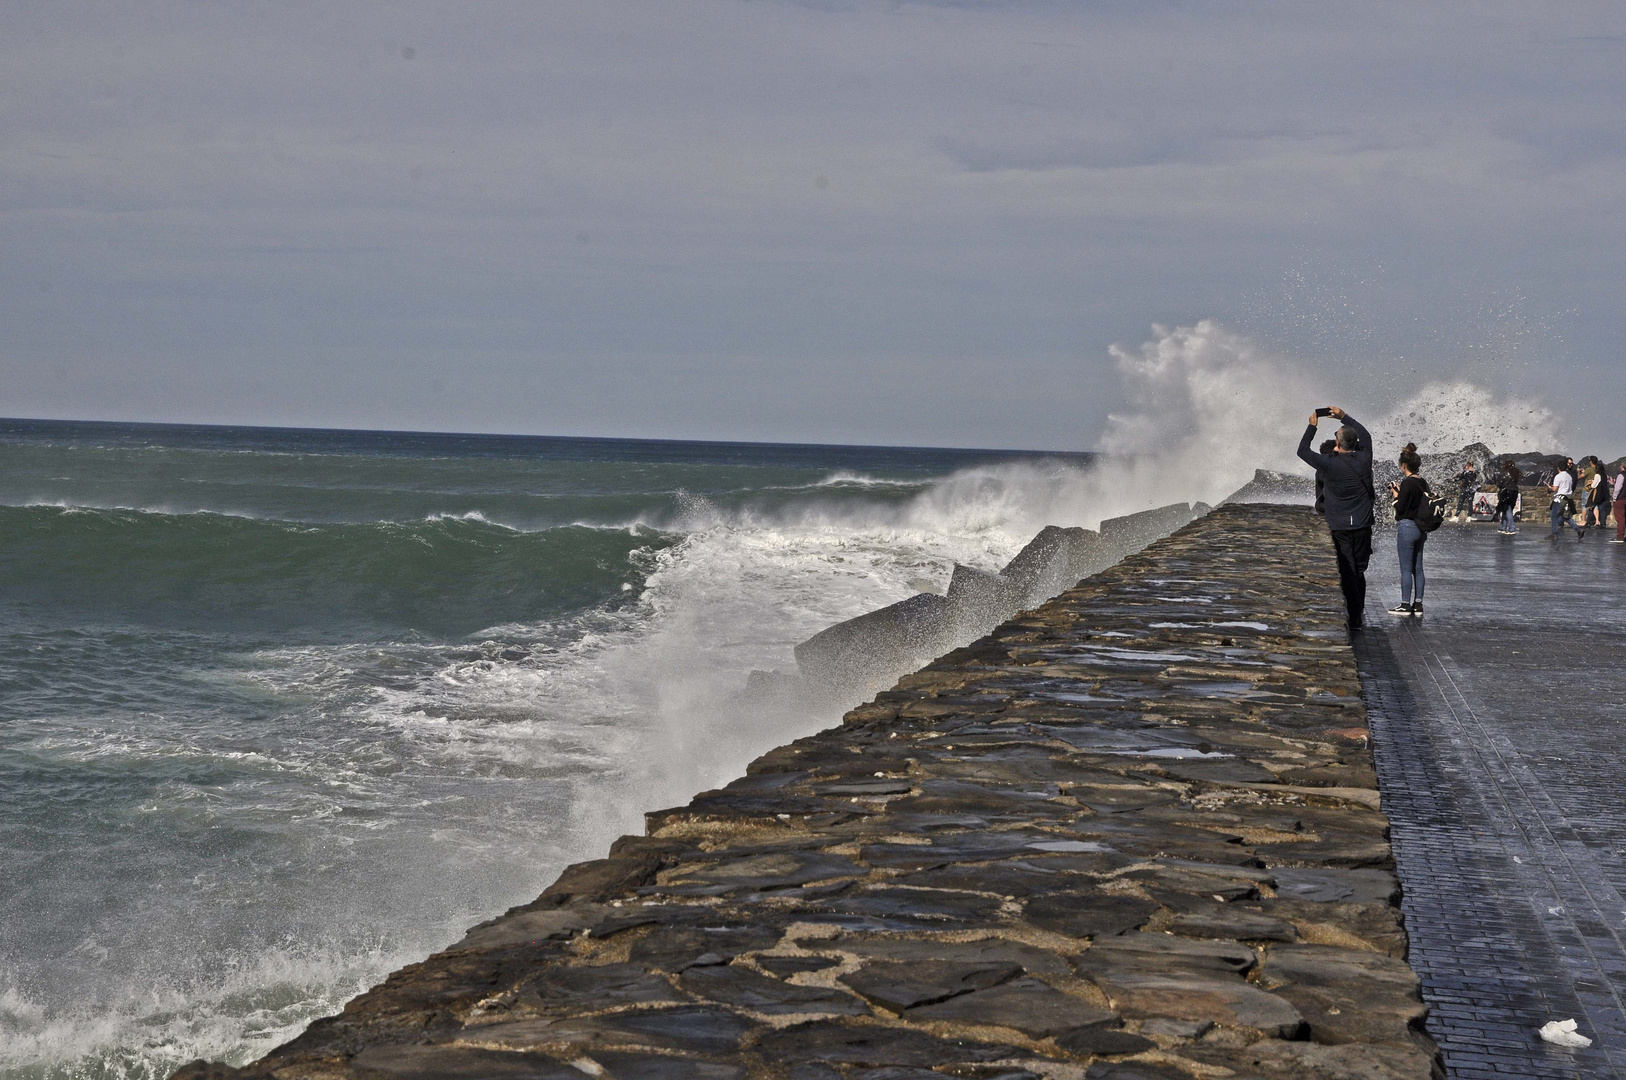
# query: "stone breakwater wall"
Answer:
x=1132 y=834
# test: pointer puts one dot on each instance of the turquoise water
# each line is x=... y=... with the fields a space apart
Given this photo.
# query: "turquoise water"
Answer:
x=281 y=711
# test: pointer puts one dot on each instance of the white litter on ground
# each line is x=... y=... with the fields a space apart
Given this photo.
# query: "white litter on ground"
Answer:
x=1563 y=1033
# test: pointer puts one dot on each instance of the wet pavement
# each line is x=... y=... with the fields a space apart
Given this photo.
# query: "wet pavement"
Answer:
x=1497 y=724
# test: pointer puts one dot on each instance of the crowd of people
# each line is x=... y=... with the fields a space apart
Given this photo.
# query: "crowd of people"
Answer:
x=1584 y=497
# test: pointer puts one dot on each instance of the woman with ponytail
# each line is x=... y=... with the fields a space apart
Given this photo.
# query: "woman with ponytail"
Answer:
x=1410 y=498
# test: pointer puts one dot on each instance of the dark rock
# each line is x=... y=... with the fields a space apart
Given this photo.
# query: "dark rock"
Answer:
x=919 y=905
x=602 y=879
x=1134 y=1070
x=1164 y=952
x=900 y=986
x=674 y=948
x=414 y=1062
x=983 y=951
x=1169 y=1028
x=699 y=1029
x=1221 y=921
x=758 y=993
x=785 y=966
x=1102 y=1040
x=1346 y=995
x=1192 y=997
x=1330 y=885
x=1011 y=879
x=1231 y=770
x=621 y=1065
x=870 y=1044
x=767 y=871
x=1088 y=914
x=601 y=986
x=865 y=788
x=1028 y=1005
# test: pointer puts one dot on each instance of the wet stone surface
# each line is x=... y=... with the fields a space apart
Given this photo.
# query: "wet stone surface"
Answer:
x=1132 y=833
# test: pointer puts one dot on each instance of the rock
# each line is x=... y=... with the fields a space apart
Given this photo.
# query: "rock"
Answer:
x=1169 y=1028
x=1135 y=1070
x=1234 y=770
x=786 y=966
x=1274 y=487
x=1218 y=920
x=915 y=905
x=900 y=986
x=1164 y=952
x=1055 y=559
x=984 y=951
x=865 y=788
x=1331 y=885
x=869 y=1044
x=1346 y=995
x=1028 y=1005
x=675 y=948
x=699 y=1029
x=621 y=1065
x=413 y=1062
x=1191 y=997
x=600 y=986
x=758 y=993
x=983 y=600
x=1277 y=1060
x=1088 y=914
x=769 y=871
x=1135 y=531
x=1102 y=1040
x=880 y=645
x=529 y=926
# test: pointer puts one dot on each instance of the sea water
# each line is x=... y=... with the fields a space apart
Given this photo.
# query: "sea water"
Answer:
x=281 y=711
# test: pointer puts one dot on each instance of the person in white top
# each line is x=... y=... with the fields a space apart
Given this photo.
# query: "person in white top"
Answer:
x=1563 y=486
x=1619 y=494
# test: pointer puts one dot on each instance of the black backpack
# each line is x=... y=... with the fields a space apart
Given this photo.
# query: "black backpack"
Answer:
x=1432 y=513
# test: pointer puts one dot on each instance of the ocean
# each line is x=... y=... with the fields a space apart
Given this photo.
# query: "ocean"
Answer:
x=283 y=710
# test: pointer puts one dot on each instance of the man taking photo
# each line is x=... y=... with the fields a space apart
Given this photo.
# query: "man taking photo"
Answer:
x=1347 y=493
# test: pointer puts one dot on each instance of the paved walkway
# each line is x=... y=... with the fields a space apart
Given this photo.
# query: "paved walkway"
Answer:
x=1499 y=728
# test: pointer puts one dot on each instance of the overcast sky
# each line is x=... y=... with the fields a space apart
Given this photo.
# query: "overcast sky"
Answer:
x=825 y=221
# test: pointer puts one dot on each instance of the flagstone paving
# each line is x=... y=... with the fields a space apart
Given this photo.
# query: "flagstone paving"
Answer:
x=1133 y=834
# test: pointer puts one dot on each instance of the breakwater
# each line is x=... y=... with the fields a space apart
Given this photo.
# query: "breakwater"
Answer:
x=1132 y=833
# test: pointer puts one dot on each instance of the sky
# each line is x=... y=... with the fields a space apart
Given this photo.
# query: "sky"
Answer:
x=903 y=222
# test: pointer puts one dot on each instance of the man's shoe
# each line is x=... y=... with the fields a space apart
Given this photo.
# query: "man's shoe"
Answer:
x=1417 y=608
x=1400 y=609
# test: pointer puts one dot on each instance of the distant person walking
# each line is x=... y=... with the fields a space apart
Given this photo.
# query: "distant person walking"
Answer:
x=1507 y=498
x=1467 y=487
x=1620 y=504
x=1410 y=496
x=1347 y=498
x=1563 y=487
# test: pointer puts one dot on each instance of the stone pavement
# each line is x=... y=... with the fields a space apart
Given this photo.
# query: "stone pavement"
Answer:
x=1131 y=835
x=1497 y=725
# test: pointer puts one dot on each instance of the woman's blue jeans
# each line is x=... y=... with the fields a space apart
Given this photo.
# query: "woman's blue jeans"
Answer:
x=1409 y=542
x=1507 y=519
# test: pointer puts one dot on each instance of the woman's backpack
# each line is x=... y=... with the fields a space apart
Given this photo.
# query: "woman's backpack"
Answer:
x=1431 y=515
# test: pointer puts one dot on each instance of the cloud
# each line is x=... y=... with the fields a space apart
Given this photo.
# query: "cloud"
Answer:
x=573 y=212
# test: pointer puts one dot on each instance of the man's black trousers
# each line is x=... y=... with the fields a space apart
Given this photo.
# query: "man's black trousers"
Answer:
x=1354 y=548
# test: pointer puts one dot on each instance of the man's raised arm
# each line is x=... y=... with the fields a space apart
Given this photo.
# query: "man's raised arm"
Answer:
x=1308 y=456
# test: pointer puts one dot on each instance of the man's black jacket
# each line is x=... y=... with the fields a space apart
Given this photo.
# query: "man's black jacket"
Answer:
x=1346 y=479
